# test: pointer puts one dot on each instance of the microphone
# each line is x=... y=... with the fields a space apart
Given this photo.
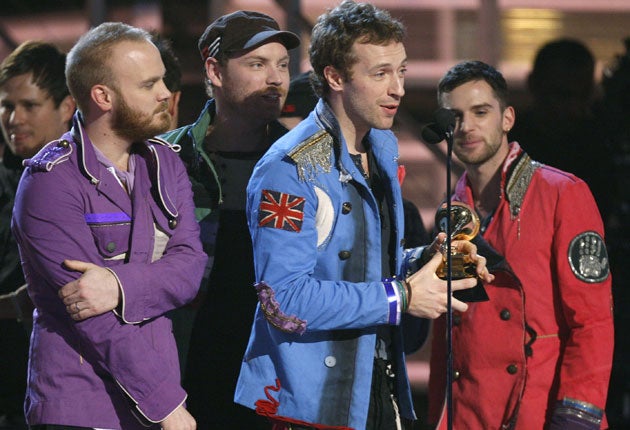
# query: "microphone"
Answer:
x=442 y=127
x=432 y=134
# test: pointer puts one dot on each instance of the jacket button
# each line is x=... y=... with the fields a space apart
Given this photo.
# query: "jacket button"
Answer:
x=457 y=319
x=346 y=207
x=505 y=314
x=456 y=375
x=172 y=223
x=344 y=255
x=63 y=144
x=111 y=247
x=512 y=369
x=330 y=361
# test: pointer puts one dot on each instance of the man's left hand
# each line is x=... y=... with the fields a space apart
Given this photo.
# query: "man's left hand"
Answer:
x=95 y=292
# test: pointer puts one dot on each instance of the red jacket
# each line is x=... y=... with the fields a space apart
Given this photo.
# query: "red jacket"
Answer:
x=547 y=331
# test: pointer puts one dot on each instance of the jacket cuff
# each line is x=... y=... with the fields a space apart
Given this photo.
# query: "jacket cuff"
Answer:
x=160 y=404
x=571 y=414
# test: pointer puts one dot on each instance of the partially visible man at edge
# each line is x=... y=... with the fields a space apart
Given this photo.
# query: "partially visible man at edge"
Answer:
x=35 y=108
x=538 y=354
x=120 y=249
x=246 y=70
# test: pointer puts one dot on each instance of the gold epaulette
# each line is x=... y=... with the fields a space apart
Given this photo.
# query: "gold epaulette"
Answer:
x=313 y=155
x=519 y=182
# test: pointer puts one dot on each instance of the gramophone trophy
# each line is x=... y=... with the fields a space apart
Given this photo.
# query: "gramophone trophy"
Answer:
x=464 y=226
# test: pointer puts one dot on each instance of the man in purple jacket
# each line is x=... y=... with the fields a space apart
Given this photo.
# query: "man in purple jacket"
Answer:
x=104 y=219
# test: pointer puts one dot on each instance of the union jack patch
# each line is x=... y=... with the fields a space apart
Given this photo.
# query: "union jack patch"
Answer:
x=281 y=210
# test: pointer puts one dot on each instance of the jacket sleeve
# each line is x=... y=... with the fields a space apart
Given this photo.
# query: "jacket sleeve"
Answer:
x=50 y=227
x=585 y=294
x=291 y=261
x=151 y=289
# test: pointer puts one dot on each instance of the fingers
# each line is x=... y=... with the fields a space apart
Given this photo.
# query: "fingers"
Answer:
x=434 y=262
x=458 y=305
x=463 y=284
x=67 y=292
x=465 y=247
x=76 y=311
x=77 y=265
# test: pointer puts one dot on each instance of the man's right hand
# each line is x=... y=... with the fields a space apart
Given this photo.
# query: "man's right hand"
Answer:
x=179 y=419
x=428 y=292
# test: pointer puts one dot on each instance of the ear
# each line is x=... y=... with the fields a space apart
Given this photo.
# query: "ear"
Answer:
x=334 y=78
x=102 y=97
x=173 y=103
x=213 y=71
x=508 y=119
x=67 y=107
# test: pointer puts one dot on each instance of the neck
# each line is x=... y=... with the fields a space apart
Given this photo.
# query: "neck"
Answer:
x=115 y=148
x=486 y=191
x=352 y=134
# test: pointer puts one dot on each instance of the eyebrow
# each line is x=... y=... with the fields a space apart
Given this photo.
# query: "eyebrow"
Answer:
x=481 y=105
x=381 y=65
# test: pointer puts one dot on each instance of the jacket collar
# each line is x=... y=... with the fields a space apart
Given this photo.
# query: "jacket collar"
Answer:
x=381 y=142
x=104 y=180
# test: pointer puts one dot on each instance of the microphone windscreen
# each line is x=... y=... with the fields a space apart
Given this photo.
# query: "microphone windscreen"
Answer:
x=445 y=119
x=431 y=134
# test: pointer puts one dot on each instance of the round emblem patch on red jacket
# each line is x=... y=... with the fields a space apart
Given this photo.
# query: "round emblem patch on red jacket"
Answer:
x=588 y=257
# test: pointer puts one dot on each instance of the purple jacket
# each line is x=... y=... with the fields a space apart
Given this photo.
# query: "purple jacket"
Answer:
x=118 y=370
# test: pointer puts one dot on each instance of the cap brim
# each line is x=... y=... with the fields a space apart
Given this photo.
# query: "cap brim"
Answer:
x=288 y=39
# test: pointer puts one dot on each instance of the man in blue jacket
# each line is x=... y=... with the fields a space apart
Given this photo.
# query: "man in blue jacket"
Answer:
x=325 y=214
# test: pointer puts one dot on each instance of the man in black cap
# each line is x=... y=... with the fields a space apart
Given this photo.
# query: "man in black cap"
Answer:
x=246 y=65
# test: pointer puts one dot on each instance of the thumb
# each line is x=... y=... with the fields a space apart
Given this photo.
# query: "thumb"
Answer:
x=78 y=266
x=434 y=262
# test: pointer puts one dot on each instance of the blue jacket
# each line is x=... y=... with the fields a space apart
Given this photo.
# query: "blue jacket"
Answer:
x=118 y=370
x=316 y=234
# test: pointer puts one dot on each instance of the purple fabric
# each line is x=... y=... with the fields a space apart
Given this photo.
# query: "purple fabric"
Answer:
x=108 y=217
x=108 y=371
x=392 y=298
x=273 y=313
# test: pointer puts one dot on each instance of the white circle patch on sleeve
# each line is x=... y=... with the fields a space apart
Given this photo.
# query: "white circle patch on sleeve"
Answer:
x=588 y=257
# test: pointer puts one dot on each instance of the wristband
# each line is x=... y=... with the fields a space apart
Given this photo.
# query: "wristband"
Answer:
x=572 y=414
x=393 y=298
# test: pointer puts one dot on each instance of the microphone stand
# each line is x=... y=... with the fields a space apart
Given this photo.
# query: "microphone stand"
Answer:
x=444 y=129
x=449 y=287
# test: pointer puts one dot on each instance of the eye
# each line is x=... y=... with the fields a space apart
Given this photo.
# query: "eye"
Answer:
x=380 y=74
x=7 y=107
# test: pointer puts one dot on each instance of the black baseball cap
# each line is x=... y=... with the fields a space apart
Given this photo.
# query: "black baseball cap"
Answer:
x=242 y=30
x=301 y=99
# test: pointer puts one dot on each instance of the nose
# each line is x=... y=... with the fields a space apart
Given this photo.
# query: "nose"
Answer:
x=463 y=123
x=164 y=93
x=397 y=86
x=17 y=116
x=276 y=76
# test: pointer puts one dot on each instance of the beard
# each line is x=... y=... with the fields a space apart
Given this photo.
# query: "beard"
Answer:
x=255 y=106
x=137 y=126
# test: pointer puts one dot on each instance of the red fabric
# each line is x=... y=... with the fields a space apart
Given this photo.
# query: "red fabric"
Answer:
x=402 y=172
x=269 y=408
x=572 y=354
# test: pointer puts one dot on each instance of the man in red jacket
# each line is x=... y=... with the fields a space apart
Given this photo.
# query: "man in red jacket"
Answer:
x=538 y=354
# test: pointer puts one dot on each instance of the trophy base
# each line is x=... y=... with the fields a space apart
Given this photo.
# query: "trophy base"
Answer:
x=463 y=268
x=474 y=294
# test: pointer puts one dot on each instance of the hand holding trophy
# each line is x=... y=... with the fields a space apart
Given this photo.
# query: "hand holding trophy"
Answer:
x=465 y=225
